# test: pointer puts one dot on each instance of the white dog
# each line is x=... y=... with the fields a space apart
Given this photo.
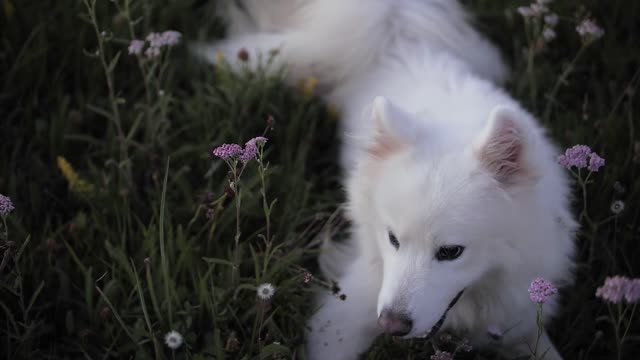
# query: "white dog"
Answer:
x=454 y=191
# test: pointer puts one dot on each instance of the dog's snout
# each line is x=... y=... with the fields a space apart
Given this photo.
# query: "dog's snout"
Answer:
x=395 y=323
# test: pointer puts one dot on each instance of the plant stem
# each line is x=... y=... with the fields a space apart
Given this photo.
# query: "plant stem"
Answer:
x=5 y=229
x=163 y=255
x=156 y=347
x=238 y=195
x=561 y=80
x=132 y=33
x=265 y=204
x=540 y=327
x=115 y=111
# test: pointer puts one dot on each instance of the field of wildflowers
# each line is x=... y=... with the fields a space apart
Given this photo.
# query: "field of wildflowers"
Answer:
x=155 y=207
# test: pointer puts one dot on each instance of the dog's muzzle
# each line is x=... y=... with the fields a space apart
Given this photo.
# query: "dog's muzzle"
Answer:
x=435 y=328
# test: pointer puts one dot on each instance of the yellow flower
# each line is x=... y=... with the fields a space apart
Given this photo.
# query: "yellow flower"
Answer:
x=333 y=112
x=9 y=9
x=76 y=183
x=310 y=85
x=219 y=56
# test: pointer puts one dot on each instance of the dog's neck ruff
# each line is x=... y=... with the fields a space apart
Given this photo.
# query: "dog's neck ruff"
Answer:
x=440 y=321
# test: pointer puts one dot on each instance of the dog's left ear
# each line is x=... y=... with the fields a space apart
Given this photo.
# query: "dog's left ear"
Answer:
x=503 y=146
x=393 y=129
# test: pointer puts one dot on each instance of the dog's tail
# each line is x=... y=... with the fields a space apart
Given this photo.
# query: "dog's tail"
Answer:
x=255 y=16
x=335 y=39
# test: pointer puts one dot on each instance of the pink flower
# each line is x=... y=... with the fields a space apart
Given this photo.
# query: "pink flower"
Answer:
x=227 y=151
x=251 y=148
x=581 y=156
x=575 y=156
x=171 y=37
x=6 y=206
x=135 y=47
x=595 y=162
x=540 y=290
x=167 y=38
x=632 y=292
x=152 y=52
x=250 y=151
x=155 y=40
x=613 y=290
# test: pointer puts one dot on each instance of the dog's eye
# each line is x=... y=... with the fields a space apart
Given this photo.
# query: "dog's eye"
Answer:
x=449 y=252
x=394 y=240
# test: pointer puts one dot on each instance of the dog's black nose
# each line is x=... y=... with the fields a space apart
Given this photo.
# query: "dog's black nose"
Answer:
x=395 y=323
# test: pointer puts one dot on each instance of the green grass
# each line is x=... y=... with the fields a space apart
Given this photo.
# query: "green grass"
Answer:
x=105 y=272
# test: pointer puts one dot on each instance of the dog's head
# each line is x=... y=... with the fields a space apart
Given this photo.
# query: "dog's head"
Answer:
x=437 y=208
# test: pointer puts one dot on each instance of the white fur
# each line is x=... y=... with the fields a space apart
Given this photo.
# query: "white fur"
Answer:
x=442 y=156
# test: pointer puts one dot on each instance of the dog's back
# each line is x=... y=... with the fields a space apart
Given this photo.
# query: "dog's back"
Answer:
x=335 y=39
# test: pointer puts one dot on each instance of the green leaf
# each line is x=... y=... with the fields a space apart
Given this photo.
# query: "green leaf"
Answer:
x=100 y=111
x=114 y=62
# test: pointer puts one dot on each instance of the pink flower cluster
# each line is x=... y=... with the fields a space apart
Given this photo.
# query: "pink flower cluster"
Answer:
x=156 y=42
x=6 y=206
x=235 y=151
x=228 y=151
x=581 y=156
x=615 y=288
x=251 y=148
x=167 y=38
x=541 y=290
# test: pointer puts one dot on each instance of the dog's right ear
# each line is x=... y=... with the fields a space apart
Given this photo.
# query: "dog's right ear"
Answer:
x=504 y=147
x=393 y=130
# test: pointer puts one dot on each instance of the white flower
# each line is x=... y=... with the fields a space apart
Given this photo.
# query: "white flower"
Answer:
x=539 y=9
x=588 y=28
x=173 y=339
x=548 y=34
x=266 y=291
x=551 y=19
x=526 y=11
x=617 y=207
